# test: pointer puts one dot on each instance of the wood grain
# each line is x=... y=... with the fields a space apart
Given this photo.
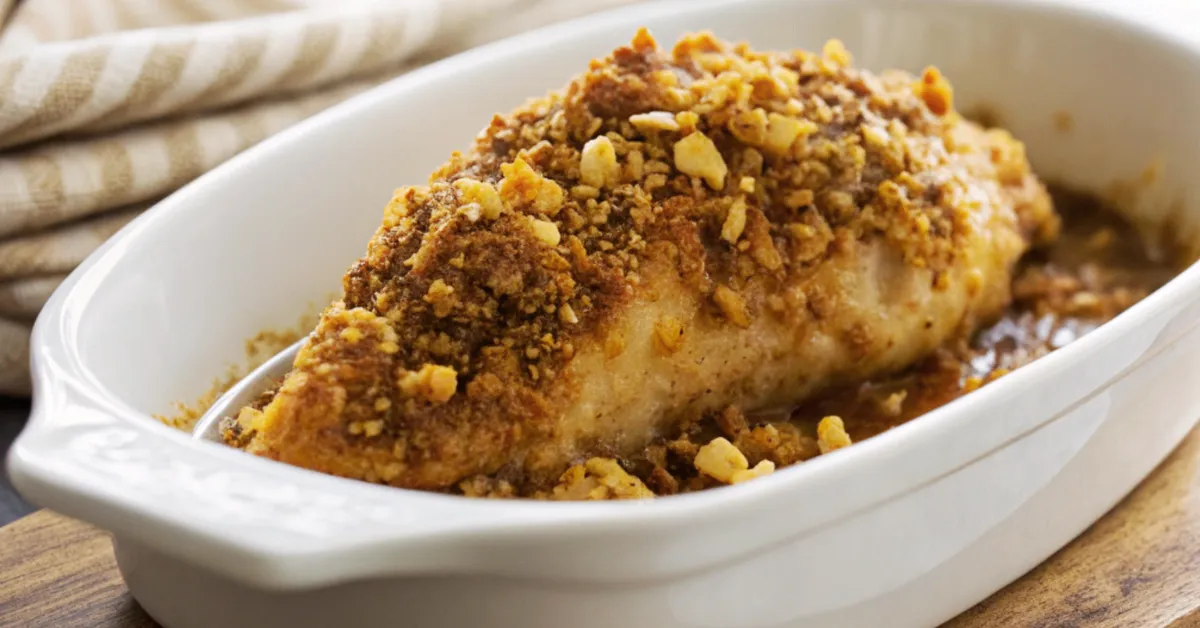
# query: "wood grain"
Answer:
x=1138 y=566
x=60 y=572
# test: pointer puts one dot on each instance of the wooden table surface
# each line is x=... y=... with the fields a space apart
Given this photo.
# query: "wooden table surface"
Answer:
x=1138 y=566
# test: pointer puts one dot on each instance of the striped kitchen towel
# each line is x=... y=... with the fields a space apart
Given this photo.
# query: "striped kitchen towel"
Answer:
x=109 y=105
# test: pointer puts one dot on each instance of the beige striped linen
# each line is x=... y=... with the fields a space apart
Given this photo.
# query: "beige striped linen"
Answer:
x=109 y=105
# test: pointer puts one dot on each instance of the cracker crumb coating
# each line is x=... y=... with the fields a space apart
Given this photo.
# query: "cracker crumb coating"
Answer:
x=675 y=232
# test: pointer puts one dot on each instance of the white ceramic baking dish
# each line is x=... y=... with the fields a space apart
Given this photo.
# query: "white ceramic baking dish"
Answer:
x=905 y=529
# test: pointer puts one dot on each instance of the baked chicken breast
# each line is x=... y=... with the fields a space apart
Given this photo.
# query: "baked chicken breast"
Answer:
x=675 y=232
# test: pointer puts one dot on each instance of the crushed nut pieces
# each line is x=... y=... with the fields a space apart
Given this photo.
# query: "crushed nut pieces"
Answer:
x=697 y=156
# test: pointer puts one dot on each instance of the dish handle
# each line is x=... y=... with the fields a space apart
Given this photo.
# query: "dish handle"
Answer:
x=257 y=521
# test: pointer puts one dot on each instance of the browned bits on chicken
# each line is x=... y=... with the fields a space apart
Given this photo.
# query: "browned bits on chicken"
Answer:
x=732 y=422
x=526 y=308
x=661 y=482
x=782 y=444
x=810 y=239
x=760 y=244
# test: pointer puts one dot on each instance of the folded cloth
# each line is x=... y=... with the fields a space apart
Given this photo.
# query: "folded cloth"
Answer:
x=108 y=105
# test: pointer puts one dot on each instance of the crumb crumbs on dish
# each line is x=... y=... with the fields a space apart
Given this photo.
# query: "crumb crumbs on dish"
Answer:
x=257 y=349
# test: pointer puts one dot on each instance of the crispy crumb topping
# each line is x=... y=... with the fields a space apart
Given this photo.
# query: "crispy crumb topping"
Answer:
x=738 y=170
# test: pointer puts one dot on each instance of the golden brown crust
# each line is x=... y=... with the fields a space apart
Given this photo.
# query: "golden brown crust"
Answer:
x=739 y=172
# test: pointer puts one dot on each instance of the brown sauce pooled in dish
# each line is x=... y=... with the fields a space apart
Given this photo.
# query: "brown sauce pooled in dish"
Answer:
x=1097 y=269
